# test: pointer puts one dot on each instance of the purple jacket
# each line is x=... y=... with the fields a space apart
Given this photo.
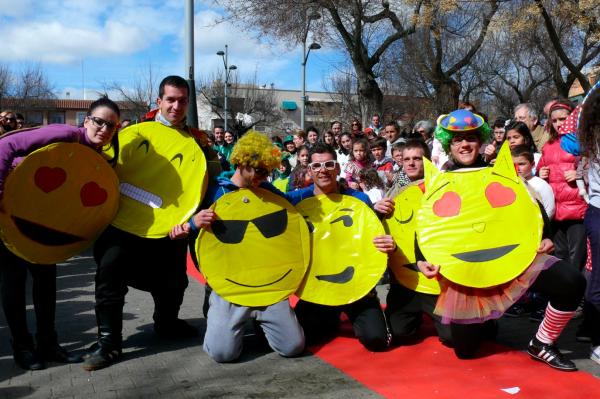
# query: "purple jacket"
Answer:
x=14 y=147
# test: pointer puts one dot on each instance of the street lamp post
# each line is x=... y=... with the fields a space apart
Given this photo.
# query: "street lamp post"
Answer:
x=305 y=53
x=228 y=69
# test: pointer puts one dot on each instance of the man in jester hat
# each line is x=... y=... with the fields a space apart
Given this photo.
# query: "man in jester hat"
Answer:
x=474 y=233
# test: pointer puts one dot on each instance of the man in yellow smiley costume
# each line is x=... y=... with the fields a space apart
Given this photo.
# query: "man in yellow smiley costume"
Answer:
x=162 y=169
x=320 y=321
x=248 y=241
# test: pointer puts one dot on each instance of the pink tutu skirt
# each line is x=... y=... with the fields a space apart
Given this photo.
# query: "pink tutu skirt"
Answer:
x=467 y=305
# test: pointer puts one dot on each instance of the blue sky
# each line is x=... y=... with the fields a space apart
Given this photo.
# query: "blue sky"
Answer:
x=104 y=41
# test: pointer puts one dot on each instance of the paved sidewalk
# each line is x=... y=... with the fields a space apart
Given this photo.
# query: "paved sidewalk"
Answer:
x=156 y=368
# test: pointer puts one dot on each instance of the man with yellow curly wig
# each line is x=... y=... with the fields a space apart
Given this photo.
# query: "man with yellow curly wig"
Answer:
x=254 y=157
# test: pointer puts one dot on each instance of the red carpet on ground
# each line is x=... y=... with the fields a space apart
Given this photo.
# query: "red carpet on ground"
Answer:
x=430 y=370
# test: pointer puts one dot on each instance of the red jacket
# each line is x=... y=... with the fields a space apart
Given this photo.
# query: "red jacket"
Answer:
x=569 y=204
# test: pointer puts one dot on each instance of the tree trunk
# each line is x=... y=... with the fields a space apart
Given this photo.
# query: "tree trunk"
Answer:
x=369 y=94
x=447 y=95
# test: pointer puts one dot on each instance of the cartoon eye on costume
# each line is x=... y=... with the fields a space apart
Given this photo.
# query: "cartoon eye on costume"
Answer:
x=346 y=219
x=499 y=195
x=448 y=205
x=92 y=194
x=144 y=143
x=177 y=156
x=49 y=179
x=311 y=226
x=233 y=231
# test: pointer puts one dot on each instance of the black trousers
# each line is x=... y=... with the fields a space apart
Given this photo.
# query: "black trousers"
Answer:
x=321 y=322
x=404 y=313
x=570 y=242
x=563 y=284
x=13 y=278
x=154 y=265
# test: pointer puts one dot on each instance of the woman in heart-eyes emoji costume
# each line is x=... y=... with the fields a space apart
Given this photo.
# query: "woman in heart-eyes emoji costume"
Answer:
x=254 y=250
x=482 y=231
x=61 y=194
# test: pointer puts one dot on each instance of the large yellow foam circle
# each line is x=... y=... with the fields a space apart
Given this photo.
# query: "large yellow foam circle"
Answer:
x=345 y=265
x=484 y=241
x=402 y=226
x=249 y=268
x=162 y=173
x=56 y=202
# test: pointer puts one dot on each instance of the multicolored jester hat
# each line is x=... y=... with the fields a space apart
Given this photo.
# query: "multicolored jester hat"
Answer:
x=480 y=225
x=56 y=202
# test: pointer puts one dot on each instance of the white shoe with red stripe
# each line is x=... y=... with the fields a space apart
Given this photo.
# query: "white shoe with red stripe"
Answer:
x=595 y=355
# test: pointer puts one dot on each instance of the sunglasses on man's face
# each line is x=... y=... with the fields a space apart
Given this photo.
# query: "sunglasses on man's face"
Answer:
x=233 y=231
x=317 y=166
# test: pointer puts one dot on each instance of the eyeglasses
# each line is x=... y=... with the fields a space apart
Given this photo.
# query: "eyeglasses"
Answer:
x=457 y=140
x=354 y=123
x=99 y=122
x=328 y=165
x=10 y=119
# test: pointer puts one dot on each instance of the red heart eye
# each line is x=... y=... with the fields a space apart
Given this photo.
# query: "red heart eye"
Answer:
x=448 y=205
x=49 y=179
x=92 y=194
x=499 y=195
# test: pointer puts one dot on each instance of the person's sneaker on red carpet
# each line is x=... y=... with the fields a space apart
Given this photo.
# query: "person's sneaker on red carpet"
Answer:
x=549 y=354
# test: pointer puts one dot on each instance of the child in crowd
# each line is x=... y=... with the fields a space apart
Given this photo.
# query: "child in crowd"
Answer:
x=343 y=152
x=382 y=164
x=299 y=177
x=360 y=158
x=372 y=184
x=523 y=159
x=281 y=175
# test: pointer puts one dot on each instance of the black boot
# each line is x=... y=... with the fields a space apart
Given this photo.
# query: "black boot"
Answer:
x=107 y=349
x=49 y=350
x=25 y=355
x=167 y=324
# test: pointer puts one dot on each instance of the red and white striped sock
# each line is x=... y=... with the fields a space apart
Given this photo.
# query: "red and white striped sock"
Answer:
x=552 y=325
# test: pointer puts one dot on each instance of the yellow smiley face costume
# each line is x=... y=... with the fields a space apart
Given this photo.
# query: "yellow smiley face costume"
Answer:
x=257 y=251
x=162 y=173
x=345 y=265
x=480 y=225
x=56 y=202
x=402 y=226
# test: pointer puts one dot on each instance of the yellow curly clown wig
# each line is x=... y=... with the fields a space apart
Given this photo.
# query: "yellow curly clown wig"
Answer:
x=255 y=149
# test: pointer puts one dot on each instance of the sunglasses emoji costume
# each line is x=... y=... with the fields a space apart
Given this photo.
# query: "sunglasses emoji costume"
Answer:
x=257 y=251
x=345 y=265
x=56 y=202
x=162 y=177
x=402 y=226
x=480 y=225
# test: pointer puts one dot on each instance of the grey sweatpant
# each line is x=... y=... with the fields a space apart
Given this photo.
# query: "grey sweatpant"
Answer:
x=225 y=328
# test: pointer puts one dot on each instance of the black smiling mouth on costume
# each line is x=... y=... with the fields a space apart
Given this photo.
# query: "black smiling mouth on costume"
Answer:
x=405 y=221
x=484 y=255
x=260 y=285
x=339 y=278
x=44 y=235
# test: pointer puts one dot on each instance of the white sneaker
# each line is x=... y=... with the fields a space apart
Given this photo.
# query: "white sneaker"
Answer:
x=595 y=354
